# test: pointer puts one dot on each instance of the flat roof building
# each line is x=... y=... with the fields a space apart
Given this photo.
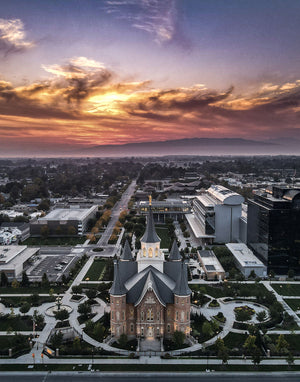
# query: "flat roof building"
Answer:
x=211 y=265
x=216 y=215
x=246 y=261
x=13 y=258
x=169 y=208
x=64 y=221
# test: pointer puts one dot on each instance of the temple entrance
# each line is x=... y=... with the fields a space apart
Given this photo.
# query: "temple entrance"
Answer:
x=150 y=333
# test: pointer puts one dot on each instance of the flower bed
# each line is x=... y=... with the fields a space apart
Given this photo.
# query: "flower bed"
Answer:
x=243 y=313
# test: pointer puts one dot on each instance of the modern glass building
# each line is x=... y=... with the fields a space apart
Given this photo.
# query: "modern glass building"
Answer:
x=273 y=230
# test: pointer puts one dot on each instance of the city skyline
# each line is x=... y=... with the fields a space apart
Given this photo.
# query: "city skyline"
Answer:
x=76 y=74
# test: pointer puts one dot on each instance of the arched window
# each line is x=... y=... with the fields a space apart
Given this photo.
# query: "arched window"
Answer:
x=158 y=316
x=112 y=315
x=142 y=332
x=168 y=328
x=149 y=315
x=123 y=315
x=142 y=315
x=144 y=252
x=118 y=316
x=150 y=252
x=176 y=316
x=182 y=316
x=156 y=252
x=131 y=328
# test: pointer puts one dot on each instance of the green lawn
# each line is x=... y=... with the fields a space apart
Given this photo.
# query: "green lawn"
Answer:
x=287 y=289
x=235 y=340
x=163 y=233
x=19 y=300
x=96 y=271
x=16 y=343
x=207 y=289
x=54 y=241
x=294 y=303
x=292 y=339
x=31 y=290
x=17 y=323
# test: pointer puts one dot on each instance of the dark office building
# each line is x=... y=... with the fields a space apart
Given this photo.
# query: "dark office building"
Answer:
x=273 y=229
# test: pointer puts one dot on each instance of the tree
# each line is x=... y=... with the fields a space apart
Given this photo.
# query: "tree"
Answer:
x=56 y=340
x=249 y=344
x=61 y=315
x=84 y=309
x=281 y=344
x=207 y=329
x=76 y=343
x=44 y=205
x=256 y=356
x=34 y=299
x=25 y=280
x=290 y=359
x=45 y=282
x=25 y=307
x=98 y=331
x=261 y=316
x=123 y=340
x=38 y=319
x=3 y=279
x=91 y=293
x=252 y=274
x=15 y=284
x=178 y=338
x=76 y=289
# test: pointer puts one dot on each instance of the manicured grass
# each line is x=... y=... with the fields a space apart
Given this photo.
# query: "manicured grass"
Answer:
x=96 y=271
x=16 y=343
x=294 y=303
x=19 y=300
x=17 y=323
x=163 y=233
x=287 y=289
x=32 y=290
x=207 y=289
x=235 y=340
x=54 y=241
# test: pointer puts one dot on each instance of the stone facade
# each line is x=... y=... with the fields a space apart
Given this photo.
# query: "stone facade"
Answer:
x=150 y=297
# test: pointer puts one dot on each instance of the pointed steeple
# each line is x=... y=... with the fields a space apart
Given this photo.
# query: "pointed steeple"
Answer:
x=118 y=288
x=182 y=287
x=126 y=254
x=174 y=253
x=150 y=236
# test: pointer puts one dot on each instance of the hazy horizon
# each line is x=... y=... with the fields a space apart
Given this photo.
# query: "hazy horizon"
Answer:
x=78 y=74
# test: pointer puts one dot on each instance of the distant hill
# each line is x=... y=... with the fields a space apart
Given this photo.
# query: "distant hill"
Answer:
x=191 y=146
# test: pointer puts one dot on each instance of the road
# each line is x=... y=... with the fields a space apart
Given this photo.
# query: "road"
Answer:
x=157 y=377
x=115 y=212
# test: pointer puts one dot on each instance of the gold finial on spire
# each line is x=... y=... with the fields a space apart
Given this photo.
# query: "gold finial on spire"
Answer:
x=150 y=200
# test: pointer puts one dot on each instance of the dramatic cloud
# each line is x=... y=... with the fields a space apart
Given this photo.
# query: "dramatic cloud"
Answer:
x=84 y=102
x=13 y=37
x=156 y=17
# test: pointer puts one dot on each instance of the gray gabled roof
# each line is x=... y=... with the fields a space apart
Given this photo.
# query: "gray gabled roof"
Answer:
x=161 y=285
x=126 y=254
x=174 y=253
x=150 y=236
x=118 y=287
x=182 y=287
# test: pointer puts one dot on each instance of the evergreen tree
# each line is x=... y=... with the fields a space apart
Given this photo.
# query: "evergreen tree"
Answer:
x=3 y=279
x=25 y=280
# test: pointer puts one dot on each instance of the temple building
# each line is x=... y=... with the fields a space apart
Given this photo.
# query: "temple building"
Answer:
x=150 y=297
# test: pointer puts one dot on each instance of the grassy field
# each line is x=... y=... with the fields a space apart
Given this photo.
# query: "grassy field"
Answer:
x=16 y=343
x=21 y=323
x=163 y=233
x=294 y=303
x=207 y=289
x=54 y=241
x=19 y=300
x=96 y=271
x=287 y=289
x=31 y=290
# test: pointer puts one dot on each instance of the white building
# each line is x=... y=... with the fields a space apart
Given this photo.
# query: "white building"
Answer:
x=216 y=215
x=246 y=261
x=13 y=258
x=211 y=265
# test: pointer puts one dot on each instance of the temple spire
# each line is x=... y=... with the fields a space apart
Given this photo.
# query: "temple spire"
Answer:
x=150 y=235
x=182 y=287
x=174 y=253
x=118 y=287
x=126 y=253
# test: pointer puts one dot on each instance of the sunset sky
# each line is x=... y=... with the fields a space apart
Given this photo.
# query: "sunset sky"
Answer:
x=78 y=73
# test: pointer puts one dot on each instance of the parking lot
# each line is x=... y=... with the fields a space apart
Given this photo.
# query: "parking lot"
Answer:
x=53 y=265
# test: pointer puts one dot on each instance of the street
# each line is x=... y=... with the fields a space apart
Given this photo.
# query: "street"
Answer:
x=157 y=377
